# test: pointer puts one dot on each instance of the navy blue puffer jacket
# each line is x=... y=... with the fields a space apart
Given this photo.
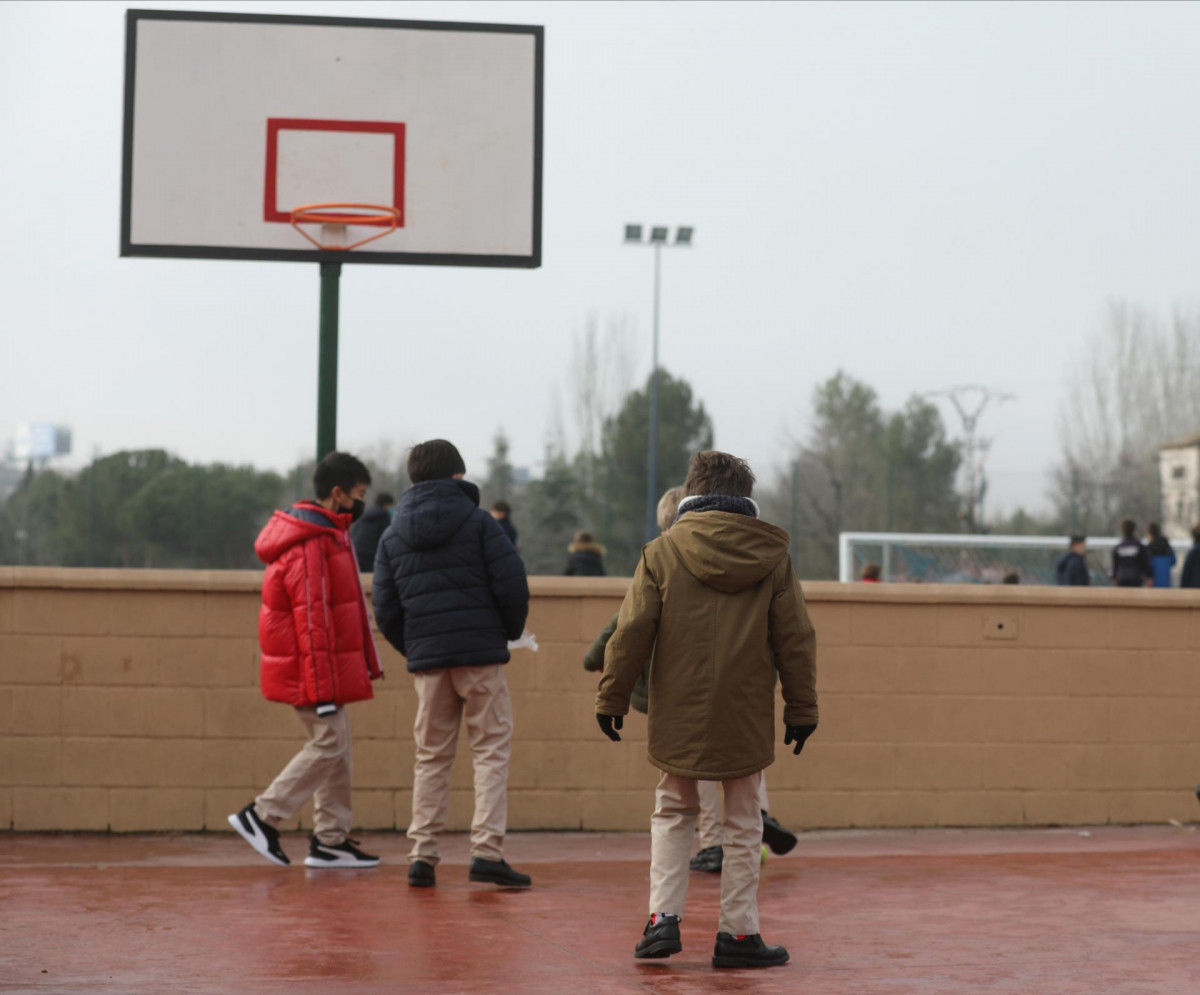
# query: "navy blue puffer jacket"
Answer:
x=449 y=588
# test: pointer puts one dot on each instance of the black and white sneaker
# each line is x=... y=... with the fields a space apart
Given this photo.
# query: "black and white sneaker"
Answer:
x=346 y=854
x=264 y=838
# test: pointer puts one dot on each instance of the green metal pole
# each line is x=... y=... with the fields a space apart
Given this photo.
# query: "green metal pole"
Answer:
x=327 y=368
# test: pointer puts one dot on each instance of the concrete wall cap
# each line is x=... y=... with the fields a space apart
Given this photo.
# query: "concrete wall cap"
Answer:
x=218 y=581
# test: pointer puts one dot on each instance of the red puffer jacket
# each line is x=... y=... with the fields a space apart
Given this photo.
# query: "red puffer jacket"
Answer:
x=313 y=628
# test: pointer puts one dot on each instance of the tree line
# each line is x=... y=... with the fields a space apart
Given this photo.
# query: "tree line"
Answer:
x=860 y=468
x=856 y=467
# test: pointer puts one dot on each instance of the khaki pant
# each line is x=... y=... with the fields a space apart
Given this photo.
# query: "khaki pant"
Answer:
x=320 y=771
x=444 y=699
x=677 y=803
x=708 y=824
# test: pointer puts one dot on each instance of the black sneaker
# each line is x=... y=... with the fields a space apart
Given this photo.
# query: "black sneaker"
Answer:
x=660 y=938
x=345 y=854
x=421 y=874
x=780 y=840
x=709 y=859
x=264 y=838
x=746 y=951
x=497 y=872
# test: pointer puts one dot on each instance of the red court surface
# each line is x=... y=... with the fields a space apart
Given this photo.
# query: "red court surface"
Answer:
x=1030 y=911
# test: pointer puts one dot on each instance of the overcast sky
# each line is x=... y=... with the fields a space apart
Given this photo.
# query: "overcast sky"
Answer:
x=922 y=195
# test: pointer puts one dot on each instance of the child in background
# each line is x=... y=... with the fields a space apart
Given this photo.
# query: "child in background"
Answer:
x=1162 y=556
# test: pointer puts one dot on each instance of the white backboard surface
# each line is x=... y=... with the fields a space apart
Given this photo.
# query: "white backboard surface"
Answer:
x=233 y=120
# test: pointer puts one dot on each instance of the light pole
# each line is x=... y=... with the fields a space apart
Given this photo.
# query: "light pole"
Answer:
x=659 y=235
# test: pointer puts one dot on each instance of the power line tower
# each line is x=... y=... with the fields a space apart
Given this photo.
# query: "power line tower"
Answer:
x=969 y=401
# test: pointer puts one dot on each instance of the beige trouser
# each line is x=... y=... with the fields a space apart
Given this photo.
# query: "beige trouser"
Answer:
x=320 y=771
x=672 y=826
x=708 y=825
x=444 y=699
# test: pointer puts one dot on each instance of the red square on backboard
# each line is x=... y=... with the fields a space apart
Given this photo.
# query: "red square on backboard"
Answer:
x=271 y=210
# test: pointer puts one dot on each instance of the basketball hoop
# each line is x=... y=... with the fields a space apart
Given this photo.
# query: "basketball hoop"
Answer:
x=334 y=219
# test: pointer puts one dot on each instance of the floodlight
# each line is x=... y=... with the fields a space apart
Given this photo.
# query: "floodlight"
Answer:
x=684 y=235
x=633 y=233
x=658 y=234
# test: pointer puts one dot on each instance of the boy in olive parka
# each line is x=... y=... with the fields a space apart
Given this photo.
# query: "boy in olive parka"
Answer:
x=718 y=603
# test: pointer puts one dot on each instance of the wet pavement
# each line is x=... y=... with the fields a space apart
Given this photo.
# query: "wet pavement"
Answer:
x=1030 y=911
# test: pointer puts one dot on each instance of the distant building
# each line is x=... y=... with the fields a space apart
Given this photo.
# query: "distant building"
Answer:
x=1179 y=474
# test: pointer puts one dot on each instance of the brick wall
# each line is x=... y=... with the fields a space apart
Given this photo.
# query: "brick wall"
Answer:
x=129 y=701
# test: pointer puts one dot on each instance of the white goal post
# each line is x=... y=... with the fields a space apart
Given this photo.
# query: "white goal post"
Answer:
x=959 y=558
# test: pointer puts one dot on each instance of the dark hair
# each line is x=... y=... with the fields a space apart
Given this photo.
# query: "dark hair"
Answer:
x=1076 y=539
x=339 y=470
x=1152 y=530
x=871 y=571
x=583 y=537
x=712 y=472
x=1128 y=527
x=434 y=460
x=1012 y=577
x=1196 y=533
x=502 y=507
x=385 y=500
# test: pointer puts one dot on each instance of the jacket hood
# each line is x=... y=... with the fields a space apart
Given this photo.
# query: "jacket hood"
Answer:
x=429 y=513
x=727 y=551
x=300 y=522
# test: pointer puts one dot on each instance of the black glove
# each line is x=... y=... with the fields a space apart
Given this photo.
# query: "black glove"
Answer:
x=797 y=735
x=609 y=724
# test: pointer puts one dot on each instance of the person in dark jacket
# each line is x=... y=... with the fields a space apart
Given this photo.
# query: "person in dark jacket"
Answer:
x=502 y=512
x=1130 y=561
x=368 y=530
x=1162 y=556
x=585 y=557
x=450 y=592
x=1071 y=570
x=1190 y=575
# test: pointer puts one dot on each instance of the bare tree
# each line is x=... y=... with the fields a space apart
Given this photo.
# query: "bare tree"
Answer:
x=600 y=378
x=1133 y=391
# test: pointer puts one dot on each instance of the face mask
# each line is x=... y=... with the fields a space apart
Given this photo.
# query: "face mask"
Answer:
x=355 y=510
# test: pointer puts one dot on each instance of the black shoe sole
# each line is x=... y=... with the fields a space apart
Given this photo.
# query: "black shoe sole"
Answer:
x=660 y=948
x=779 y=841
x=486 y=879
x=747 y=962
x=421 y=883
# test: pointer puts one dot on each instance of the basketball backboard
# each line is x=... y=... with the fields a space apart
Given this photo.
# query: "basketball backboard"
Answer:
x=232 y=121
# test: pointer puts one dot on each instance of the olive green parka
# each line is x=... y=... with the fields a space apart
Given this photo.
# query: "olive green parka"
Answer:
x=718 y=604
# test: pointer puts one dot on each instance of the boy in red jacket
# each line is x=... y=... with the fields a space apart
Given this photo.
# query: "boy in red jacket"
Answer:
x=317 y=655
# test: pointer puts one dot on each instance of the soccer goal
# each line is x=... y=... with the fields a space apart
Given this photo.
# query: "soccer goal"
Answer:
x=955 y=558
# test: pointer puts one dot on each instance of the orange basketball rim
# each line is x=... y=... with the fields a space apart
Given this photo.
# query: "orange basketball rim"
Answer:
x=335 y=218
